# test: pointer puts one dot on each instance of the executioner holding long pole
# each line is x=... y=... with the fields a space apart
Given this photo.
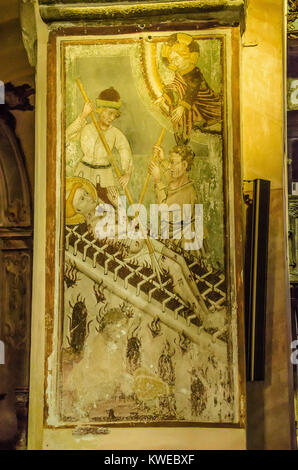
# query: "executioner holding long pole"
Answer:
x=152 y=254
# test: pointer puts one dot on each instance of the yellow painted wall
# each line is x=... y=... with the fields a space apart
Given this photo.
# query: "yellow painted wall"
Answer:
x=270 y=404
x=262 y=92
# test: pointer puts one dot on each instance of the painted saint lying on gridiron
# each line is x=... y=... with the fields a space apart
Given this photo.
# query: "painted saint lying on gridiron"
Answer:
x=192 y=104
x=95 y=165
x=83 y=205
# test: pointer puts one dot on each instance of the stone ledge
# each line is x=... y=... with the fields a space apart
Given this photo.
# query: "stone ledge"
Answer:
x=210 y=12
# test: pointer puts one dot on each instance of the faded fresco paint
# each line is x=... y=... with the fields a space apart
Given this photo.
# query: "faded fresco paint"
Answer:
x=148 y=330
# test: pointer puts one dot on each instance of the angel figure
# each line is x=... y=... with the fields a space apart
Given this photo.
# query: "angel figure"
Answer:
x=192 y=104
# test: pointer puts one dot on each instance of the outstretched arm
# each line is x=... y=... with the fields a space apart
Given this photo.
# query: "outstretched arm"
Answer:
x=160 y=187
x=73 y=131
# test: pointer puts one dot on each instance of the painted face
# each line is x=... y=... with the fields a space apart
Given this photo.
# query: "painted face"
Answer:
x=83 y=201
x=134 y=246
x=107 y=116
x=177 y=165
x=178 y=61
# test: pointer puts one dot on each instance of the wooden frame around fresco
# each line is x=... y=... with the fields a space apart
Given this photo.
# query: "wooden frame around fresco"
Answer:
x=51 y=199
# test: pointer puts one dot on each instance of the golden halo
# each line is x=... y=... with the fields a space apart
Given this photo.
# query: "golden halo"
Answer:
x=184 y=38
x=73 y=183
x=181 y=47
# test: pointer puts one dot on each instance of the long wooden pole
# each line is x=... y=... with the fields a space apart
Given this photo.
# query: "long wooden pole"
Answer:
x=118 y=174
x=104 y=142
x=145 y=187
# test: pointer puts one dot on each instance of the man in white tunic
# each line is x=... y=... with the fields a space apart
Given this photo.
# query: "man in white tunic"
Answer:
x=95 y=165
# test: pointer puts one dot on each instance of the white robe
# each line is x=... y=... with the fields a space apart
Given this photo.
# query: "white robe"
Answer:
x=94 y=153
